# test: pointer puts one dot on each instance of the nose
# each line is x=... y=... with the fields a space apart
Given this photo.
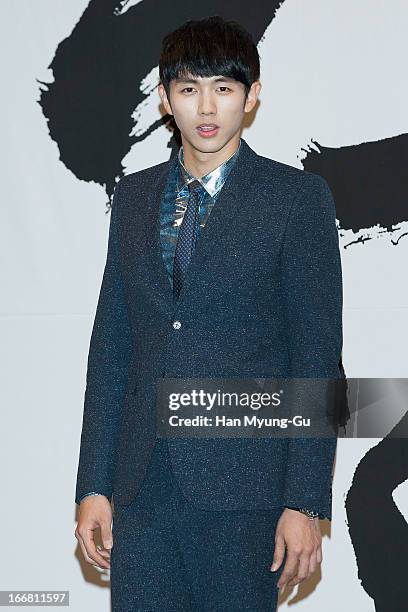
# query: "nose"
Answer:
x=207 y=104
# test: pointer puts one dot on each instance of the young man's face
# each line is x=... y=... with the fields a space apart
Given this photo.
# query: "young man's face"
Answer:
x=213 y=100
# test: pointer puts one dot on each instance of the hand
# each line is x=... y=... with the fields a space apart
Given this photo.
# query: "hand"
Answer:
x=95 y=511
x=303 y=541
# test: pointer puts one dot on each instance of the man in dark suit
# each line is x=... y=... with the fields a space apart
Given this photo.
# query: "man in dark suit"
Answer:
x=221 y=263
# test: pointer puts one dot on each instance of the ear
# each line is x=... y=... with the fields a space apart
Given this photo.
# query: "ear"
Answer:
x=252 y=96
x=164 y=99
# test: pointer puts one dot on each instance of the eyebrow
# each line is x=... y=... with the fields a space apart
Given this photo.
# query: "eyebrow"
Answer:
x=216 y=80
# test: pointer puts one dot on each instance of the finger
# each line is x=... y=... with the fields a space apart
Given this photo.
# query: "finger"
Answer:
x=103 y=552
x=89 y=543
x=87 y=558
x=303 y=570
x=279 y=554
x=319 y=554
x=313 y=563
x=85 y=554
x=289 y=570
x=106 y=534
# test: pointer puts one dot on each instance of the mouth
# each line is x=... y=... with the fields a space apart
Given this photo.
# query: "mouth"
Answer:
x=207 y=129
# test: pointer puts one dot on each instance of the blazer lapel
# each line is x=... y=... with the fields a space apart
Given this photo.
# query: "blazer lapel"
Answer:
x=152 y=230
x=233 y=194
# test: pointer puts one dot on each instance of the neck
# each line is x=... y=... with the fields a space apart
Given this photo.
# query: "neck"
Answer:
x=200 y=163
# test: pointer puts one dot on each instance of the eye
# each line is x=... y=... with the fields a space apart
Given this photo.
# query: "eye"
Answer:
x=185 y=88
x=225 y=87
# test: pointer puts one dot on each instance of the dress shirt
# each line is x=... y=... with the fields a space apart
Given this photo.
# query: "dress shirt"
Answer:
x=174 y=202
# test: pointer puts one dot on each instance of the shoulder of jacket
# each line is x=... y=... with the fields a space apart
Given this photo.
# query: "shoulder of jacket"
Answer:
x=272 y=168
x=143 y=177
x=274 y=171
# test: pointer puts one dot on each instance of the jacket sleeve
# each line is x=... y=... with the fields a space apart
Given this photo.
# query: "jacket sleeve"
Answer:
x=312 y=289
x=110 y=353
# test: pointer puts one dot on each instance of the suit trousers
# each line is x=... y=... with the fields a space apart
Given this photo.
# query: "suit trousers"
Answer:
x=169 y=555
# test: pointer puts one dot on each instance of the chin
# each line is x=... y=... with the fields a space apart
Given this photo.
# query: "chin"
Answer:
x=212 y=145
x=206 y=146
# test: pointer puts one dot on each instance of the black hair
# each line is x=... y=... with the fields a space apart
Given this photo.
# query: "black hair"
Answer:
x=209 y=47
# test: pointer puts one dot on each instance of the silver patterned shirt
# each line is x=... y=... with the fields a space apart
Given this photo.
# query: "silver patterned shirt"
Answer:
x=174 y=202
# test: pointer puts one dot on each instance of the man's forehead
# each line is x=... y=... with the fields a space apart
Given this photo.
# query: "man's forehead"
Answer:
x=188 y=78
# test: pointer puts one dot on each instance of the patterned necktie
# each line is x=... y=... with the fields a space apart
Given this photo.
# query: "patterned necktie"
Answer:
x=186 y=238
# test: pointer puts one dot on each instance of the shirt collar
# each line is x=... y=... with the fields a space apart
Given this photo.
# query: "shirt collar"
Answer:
x=213 y=181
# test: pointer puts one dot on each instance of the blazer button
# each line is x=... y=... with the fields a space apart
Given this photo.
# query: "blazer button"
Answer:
x=176 y=324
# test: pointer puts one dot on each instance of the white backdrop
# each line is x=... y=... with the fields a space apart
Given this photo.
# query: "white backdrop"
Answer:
x=332 y=73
